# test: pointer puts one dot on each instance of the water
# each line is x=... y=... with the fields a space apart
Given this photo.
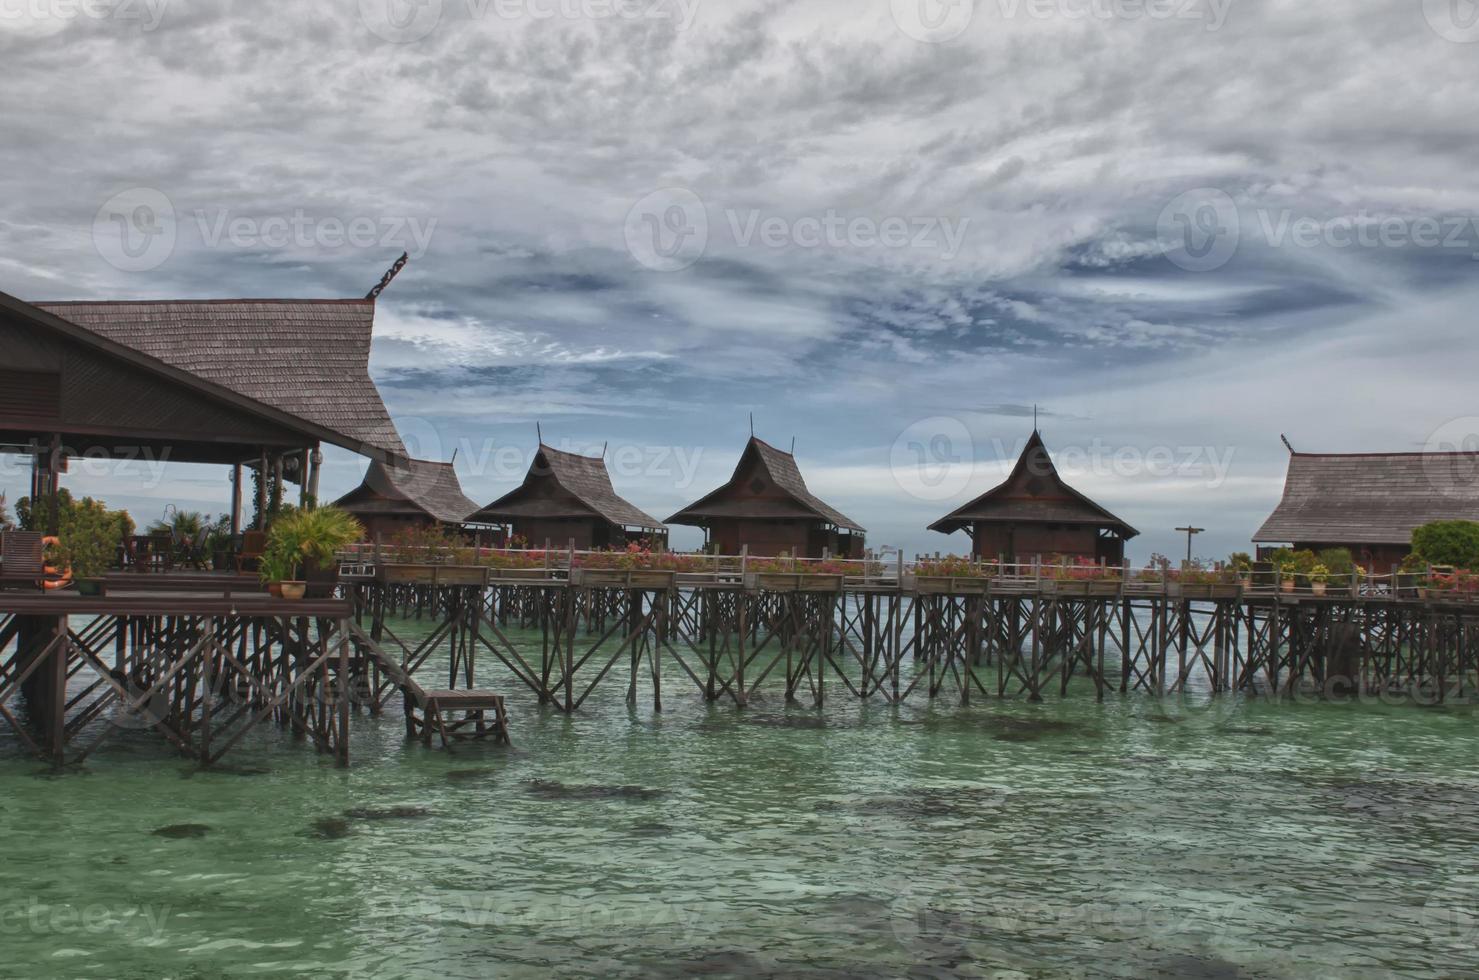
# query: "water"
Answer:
x=1134 y=838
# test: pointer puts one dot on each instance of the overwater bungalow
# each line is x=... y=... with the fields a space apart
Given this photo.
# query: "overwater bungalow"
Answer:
x=1034 y=512
x=1370 y=503
x=394 y=497
x=566 y=497
x=766 y=508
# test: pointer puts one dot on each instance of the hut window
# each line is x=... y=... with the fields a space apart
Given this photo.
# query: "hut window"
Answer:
x=757 y=485
x=30 y=396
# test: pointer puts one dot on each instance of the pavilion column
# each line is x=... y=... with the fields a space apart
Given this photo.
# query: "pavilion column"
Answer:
x=236 y=500
x=261 y=521
x=316 y=458
x=53 y=485
x=303 y=478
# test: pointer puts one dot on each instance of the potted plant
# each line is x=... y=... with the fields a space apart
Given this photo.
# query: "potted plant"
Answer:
x=1319 y=577
x=1241 y=564
x=275 y=568
x=87 y=541
x=307 y=541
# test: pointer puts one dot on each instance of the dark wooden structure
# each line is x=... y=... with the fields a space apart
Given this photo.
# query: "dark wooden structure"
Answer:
x=250 y=383
x=1035 y=513
x=766 y=508
x=565 y=498
x=1370 y=502
x=204 y=658
x=396 y=496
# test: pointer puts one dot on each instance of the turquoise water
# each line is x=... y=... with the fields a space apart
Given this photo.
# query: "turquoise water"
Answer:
x=1134 y=838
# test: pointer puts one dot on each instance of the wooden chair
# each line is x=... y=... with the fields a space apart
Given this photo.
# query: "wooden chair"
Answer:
x=162 y=551
x=22 y=559
x=253 y=547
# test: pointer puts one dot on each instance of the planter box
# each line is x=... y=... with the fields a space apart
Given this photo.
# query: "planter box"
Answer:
x=623 y=578
x=1209 y=590
x=792 y=582
x=473 y=576
x=519 y=574
x=407 y=574
x=1087 y=587
x=947 y=584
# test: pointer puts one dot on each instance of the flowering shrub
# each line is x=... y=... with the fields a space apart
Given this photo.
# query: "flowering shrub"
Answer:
x=510 y=559
x=431 y=543
x=639 y=557
x=785 y=564
x=1455 y=582
x=1066 y=569
x=955 y=566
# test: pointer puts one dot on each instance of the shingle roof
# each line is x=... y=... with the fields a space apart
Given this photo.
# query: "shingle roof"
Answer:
x=585 y=478
x=1371 y=498
x=1016 y=500
x=419 y=486
x=309 y=358
x=785 y=474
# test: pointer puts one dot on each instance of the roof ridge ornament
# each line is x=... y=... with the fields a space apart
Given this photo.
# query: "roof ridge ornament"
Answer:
x=389 y=277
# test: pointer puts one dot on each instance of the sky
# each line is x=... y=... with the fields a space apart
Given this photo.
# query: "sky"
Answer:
x=886 y=229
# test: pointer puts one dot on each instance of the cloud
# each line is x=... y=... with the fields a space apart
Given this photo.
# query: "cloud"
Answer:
x=1056 y=144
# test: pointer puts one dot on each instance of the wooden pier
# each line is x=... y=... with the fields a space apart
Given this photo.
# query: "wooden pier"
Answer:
x=203 y=660
x=1013 y=637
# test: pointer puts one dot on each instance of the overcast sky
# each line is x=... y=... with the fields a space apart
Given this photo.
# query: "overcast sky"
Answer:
x=887 y=230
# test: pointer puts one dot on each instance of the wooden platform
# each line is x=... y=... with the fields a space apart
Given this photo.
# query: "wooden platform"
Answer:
x=164 y=602
x=434 y=713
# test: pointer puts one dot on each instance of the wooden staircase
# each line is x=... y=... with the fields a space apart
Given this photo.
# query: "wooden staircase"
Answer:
x=452 y=716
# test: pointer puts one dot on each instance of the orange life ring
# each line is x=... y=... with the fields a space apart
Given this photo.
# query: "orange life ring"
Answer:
x=54 y=579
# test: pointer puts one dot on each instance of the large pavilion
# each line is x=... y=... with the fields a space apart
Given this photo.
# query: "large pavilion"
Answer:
x=1370 y=502
x=245 y=383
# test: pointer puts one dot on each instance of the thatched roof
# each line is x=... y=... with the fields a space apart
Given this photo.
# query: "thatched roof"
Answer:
x=306 y=358
x=784 y=474
x=1034 y=493
x=587 y=492
x=418 y=488
x=1371 y=498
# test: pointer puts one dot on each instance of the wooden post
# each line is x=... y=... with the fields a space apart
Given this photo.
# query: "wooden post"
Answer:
x=303 y=479
x=235 y=500
x=57 y=693
x=342 y=691
x=260 y=522
x=207 y=687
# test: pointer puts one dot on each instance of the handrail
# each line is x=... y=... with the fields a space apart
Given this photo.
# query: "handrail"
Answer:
x=696 y=568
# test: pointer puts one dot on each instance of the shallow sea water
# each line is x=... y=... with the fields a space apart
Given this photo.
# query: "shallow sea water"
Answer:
x=1140 y=837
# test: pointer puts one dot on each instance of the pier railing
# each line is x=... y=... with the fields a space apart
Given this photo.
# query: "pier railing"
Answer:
x=948 y=574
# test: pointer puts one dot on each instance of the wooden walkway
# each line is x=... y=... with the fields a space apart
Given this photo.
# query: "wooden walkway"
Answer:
x=965 y=639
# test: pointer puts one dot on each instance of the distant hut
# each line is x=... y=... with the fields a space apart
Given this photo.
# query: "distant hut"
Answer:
x=1035 y=513
x=1370 y=502
x=766 y=507
x=418 y=494
x=565 y=497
